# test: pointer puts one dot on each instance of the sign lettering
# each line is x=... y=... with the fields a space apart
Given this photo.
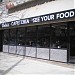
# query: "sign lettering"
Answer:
x=42 y=18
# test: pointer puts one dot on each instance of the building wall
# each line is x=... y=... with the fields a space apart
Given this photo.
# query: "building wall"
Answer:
x=51 y=7
x=46 y=8
x=60 y=5
x=74 y=3
x=41 y=9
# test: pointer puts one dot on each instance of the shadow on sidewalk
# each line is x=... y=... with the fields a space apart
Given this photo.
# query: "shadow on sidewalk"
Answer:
x=5 y=72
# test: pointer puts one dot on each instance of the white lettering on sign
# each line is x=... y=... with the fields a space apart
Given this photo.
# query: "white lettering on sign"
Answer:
x=47 y=18
x=72 y=13
x=26 y=21
x=65 y=15
x=5 y=25
x=15 y=23
x=43 y=18
x=37 y=19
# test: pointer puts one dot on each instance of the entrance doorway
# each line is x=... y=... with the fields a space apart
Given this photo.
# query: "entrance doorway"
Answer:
x=72 y=42
x=1 y=40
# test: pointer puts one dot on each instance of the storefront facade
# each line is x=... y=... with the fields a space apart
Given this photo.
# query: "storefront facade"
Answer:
x=34 y=38
x=49 y=36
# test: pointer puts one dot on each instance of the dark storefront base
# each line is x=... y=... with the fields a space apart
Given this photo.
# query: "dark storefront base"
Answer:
x=51 y=42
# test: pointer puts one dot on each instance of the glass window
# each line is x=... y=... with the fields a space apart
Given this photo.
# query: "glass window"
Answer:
x=6 y=37
x=21 y=36
x=31 y=37
x=59 y=36
x=43 y=36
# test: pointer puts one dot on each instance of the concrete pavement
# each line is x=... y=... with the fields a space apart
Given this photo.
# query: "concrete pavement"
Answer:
x=18 y=65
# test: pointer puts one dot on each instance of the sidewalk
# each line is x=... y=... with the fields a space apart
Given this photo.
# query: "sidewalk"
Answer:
x=18 y=65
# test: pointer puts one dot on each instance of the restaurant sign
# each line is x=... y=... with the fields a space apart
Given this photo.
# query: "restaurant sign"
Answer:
x=42 y=18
